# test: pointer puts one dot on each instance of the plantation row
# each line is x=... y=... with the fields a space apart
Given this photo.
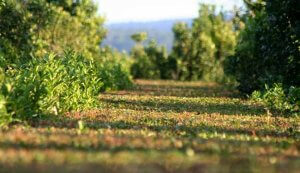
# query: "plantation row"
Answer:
x=51 y=61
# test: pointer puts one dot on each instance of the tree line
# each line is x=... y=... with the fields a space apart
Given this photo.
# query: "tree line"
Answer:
x=257 y=50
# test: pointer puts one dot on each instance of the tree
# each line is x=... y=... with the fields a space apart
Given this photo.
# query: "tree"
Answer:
x=35 y=27
x=142 y=66
x=201 y=50
x=268 y=51
x=20 y=27
x=139 y=37
x=150 y=61
x=181 y=50
x=158 y=56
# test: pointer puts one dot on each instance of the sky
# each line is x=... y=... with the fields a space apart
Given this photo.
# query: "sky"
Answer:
x=116 y=11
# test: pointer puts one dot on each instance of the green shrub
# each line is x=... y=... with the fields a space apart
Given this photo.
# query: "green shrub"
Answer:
x=5 y=117
x=54 y=85
x=201 y=50
x=143 y=67
x=114 y=70
x=151 y=61
x=114 y=76
x=277 y=100
x=268 y=51
x=294 y=98
x=158 y=56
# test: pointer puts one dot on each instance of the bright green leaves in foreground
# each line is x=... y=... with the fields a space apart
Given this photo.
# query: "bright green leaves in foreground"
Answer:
x=36 y=83
x=53 y=85
x=277 y=100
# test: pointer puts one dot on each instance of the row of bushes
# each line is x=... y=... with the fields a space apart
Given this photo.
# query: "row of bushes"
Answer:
x=57 y=84
x=268 y=54
x=37 y=76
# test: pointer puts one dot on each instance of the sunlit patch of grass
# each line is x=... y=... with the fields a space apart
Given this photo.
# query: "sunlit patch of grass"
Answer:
x=160 y=126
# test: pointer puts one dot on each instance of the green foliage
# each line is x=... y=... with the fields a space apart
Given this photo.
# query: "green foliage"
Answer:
x=268 y=51
x=19 y=22
x=2 y=3
x=139 y=37
x=53 y=85
x=198 y=52
x=5 y=117
x=201 y=50
x=114 y=70
x=142 y=66
x=294 y=98
x=158 y=55
x=36 y=27
x=75 y=25
x=278 y=100
x=181 y=50
x=150 y=62
x=59 y=83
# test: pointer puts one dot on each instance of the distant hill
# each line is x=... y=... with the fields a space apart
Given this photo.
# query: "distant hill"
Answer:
x=119 y=34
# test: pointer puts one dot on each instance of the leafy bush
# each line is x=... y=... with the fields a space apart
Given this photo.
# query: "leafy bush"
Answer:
x=294 y=98
x=158 y=56
x=278 y=100
x=150 y=62
x=35 y=27
x=114 y=70
x=268 y=51
x=201 y=50
x=58 y=84
x=53 y=85
x=143 y=68
x=5 y=117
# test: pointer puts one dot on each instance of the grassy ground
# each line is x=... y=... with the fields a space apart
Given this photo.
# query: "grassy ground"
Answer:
x=157 y=127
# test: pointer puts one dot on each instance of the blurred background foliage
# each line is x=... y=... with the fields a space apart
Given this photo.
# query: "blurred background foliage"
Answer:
x=257 y=49
x=198 y=51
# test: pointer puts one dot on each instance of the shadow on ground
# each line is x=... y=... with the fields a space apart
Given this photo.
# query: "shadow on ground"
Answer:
x=180 y=89
x=179 y=107
x=168 y=125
